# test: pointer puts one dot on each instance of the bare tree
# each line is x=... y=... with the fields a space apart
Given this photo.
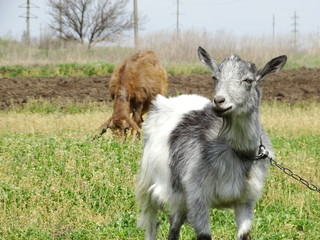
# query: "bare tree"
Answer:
x=90 y=21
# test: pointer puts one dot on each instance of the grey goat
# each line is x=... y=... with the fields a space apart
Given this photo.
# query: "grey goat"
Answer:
x=200 y=154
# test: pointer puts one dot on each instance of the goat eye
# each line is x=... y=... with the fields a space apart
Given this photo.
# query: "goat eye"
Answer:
x=214 y=78
x=248 y=80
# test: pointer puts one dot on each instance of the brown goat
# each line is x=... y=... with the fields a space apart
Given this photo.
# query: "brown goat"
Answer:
x=133 y=85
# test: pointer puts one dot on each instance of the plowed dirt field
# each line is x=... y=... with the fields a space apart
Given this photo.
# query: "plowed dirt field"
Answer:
x=287 y=86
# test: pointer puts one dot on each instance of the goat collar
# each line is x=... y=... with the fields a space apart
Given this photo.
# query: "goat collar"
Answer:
x=262 y=153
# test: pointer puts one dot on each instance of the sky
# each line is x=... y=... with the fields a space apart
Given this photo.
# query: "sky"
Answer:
x=239 y=17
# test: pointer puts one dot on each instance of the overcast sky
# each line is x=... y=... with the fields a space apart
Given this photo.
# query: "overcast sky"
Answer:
x=240 y=17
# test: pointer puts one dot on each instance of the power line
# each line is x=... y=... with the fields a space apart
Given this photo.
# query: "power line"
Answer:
x=28 y=16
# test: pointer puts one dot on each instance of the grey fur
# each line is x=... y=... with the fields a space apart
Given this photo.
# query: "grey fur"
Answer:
x=196 y=124
x=210 y=153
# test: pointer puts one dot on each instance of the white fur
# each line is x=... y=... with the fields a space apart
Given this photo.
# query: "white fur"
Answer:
x=170 y=113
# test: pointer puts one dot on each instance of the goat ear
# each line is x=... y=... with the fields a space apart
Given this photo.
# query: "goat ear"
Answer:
x=206 y=59
x=273 y=66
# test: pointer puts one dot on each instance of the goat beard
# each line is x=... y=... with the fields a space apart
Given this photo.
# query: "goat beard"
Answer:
x=225 y=127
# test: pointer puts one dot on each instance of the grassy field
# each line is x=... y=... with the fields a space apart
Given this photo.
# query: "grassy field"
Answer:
x=178 y=55
x=103 y=68
x=85 y=69
x=57 y=183
x=53 y=70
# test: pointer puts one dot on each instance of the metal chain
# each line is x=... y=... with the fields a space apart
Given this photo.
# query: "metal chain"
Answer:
x=295 y=176
x=263 y=153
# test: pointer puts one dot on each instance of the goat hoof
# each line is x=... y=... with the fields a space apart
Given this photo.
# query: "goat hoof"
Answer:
x=138 y=135
x=95 y=137
x=245 y=236
x=204 y=237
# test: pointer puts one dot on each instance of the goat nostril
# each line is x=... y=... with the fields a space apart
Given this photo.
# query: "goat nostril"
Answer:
x=219 y=99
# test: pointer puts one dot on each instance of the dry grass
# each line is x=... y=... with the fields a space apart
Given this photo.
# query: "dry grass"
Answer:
x=172 y=50
x=221 y=44
x=50 y=123
x=280 y=119
x=286 y=120
x=14 y=53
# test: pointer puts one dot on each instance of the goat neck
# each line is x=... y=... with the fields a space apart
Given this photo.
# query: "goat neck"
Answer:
x=242 y=132
x=121 y=104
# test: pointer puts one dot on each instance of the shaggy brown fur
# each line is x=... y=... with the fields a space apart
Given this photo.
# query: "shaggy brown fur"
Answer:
x=133 y=85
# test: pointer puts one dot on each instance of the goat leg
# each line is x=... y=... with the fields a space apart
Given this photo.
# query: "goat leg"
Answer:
x=135 y=129
x=176 y=221
x=246 y=236
x=244 y=216
x=100 y=134
x=137 y=114
x=103 y=128
x=198 y=215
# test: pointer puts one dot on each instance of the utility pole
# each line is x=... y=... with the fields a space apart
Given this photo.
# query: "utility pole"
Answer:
x=28 y=21
x=295 y=29
x=136 y=25
x=60 y=23
x=28 y=16
x=273 y=30
x=178 y=15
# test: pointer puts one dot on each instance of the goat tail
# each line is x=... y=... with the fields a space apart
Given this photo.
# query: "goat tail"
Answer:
x=148 y=206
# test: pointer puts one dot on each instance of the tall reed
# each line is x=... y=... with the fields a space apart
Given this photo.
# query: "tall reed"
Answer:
x=171 y=48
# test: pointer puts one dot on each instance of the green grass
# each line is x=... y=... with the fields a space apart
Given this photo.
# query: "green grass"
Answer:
x=57 y=183
x=186 y=69
x=66 y=69
x=301 y=60
x=46 y=106
x=67 y=186
x=85 y=69
x=103 y=68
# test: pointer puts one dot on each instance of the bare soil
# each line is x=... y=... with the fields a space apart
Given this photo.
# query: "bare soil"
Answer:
x=287 y=86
